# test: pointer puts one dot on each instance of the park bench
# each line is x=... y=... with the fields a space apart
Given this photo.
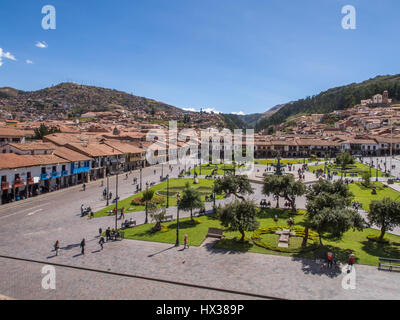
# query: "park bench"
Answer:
x=128 y=224
x=168 y=218
x=215 y=233
x=389 y=263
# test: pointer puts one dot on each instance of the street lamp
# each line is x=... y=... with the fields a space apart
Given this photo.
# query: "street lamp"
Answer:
x=116 y=196
x=141 y=179
x=178 y=200
x=147 y=189
x=376 y=169
x=214 y=193
x=162 y=170
x=108 y=189
x=167 y=190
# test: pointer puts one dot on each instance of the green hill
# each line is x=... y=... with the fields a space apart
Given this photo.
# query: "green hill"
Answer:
x=338 y=98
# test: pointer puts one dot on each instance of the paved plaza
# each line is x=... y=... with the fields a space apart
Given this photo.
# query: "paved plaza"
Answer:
x=29 y=229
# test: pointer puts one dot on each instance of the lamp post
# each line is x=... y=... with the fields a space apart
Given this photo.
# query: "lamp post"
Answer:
x=141 y=179
x=178 y=200
x=162 y=170
x=167 y=190
x=200 y=164
x=116 y=199
x=214 y=194
x=108 y=189
x=147 y=189
x=376 y=169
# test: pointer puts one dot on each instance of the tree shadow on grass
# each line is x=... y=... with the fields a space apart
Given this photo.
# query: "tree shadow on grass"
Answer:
x=230 y=246
x=389 y=250
x=186 y=224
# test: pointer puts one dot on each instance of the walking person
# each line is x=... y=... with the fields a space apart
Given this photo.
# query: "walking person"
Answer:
x=100 y=232
x=330 y=259
x=185 y=242
x=84 y=187
x=57 y=247
x=122 y=213
x=351 y=261
x=101 y=242
x=82 y=245
x=108 y=234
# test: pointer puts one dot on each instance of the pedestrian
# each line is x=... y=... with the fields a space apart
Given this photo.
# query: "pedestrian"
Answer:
x=82 y=210
x=57 y=247
x=185 y=242
x=330 y=259
x=122 y=213
x=82 y=245
x=108 y=232
x=351 y=261
x=84 y=187
x=100 y=232
x=101 y=242
x=276 y=218
x=110 y=195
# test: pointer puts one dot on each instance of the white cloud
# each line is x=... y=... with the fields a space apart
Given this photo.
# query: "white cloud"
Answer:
x=6 y=55
x=240 y=113
x=29 y=61
x=189 y=109
x=41 y=44
x=209 y=110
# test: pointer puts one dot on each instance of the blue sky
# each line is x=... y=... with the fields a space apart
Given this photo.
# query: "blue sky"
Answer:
x=227 y=55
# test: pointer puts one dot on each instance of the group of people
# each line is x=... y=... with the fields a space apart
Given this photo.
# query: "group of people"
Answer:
x=105 y=194
x=265 y=204
x=86 y=211
x=331 y=260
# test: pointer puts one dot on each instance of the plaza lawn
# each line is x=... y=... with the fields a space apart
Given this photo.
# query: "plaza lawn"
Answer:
x=207 y=169
x=357 y=169
x=364 y=196
x=366 y=251
x=283 y=161
x=175 y=185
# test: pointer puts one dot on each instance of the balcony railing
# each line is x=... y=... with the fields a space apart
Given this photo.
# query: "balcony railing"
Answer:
x=55 y=174
x=18 y=183
x=44 y=176
x=5 y=185
x=64 y=173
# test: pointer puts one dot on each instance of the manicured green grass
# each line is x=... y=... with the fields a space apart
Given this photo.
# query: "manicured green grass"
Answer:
x=196 y=231
x=366 y=251
x=283 y=161
x=174 y=185
x=357 y=169
x=207 y=169
x=364 y=196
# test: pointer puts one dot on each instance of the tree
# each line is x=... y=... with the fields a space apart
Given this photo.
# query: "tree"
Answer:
x=157 y=215
x=285 y=187
x=344 y=159
x=190 y=199
x=385 y=214
x=336 y=221
x=272 y=185
x=43 y=130
x=366 y=177
x=325 y=195
x=238 y=185
x=239 y=216
x=147 y=196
